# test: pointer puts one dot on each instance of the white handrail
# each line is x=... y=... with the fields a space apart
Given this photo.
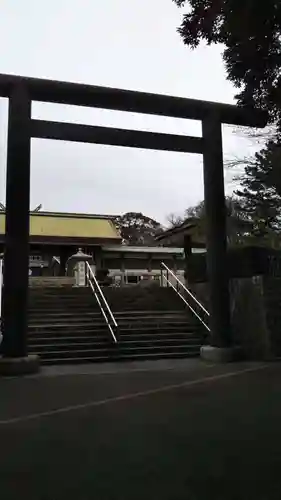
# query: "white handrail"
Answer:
x=94 y=279
x=182 y=297
x=186 y=289
x=101 y=293
x=188 y=305
x=103 y=312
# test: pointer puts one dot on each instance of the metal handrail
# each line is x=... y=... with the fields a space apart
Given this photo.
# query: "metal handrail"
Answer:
x=103 y=312
x=188 y=305
x=103 y=304
x=186 y=289
x=183 y=298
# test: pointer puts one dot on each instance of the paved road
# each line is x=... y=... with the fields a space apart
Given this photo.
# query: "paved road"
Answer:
x=174 y=430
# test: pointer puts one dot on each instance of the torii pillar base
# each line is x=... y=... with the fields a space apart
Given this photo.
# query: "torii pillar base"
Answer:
x=221 y=354
x=26 y=365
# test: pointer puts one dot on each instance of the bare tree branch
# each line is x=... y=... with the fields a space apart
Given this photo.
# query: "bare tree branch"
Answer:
x=238 y=162
x=174 y=219
x=257 y=136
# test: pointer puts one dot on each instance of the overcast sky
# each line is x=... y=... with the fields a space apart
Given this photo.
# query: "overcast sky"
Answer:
x=130 y=44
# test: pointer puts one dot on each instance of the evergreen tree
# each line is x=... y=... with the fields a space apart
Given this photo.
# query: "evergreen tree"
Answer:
x=260 y=193
x=137 y=229
x=238 y=223
x=250 y=31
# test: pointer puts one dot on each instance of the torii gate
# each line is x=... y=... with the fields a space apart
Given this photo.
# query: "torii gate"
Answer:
x=21 y=91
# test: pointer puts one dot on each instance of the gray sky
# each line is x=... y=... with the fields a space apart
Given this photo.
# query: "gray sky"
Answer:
x=129 y=44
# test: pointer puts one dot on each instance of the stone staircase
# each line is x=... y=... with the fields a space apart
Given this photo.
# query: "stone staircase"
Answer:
x=66 y=325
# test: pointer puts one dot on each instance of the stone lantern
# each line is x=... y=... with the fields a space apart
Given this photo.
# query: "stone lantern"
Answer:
x=77 y=262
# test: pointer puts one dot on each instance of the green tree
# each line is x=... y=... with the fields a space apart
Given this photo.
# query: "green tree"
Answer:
x=250 y=31
x=260 y=192
x=196 y=211
x=137 y=229
x=239 y=224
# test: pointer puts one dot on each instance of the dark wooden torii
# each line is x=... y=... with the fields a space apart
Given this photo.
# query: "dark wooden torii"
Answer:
x=21 y=91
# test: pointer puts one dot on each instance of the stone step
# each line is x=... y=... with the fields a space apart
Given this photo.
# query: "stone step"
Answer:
x=66 y=326
x=91 y=298
x=60 y=302
x=118 y=314
x=56 y=337
x=64 y=310
x=77 y=320
x=115 y=351
x=110 y=292
x=128 y=332
x=120 y=358
x=150 y=312
x=65 y=316
x=92 y=307
x=129 y=344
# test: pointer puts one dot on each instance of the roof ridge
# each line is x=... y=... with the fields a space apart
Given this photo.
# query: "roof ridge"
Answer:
x=75 y=215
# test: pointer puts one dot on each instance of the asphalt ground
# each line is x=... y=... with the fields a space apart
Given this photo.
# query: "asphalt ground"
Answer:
x=171 y=430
